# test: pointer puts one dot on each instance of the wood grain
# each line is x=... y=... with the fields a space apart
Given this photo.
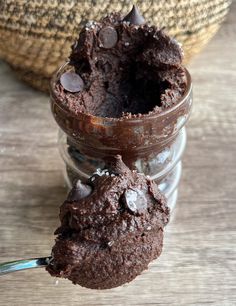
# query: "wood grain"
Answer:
x=197 y=266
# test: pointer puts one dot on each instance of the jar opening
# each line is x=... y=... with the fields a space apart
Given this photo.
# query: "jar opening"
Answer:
x=140 y=100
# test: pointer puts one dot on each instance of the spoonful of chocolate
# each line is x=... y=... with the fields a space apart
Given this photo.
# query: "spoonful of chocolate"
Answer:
x=111 y=229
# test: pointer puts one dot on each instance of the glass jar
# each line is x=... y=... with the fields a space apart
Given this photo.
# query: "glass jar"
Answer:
x=152 y=144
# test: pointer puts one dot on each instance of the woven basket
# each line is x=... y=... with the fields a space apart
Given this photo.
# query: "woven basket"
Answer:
x=36 y=35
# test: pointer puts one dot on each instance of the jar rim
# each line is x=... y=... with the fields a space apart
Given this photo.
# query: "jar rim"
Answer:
x=110 y=120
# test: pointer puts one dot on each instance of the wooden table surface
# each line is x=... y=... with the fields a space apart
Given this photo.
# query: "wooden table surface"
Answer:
x=198 y=263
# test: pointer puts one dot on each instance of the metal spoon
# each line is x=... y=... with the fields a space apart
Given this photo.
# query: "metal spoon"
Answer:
x=23 y=264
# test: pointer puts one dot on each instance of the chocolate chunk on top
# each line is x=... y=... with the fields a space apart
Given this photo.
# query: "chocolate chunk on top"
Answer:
x=134 y=16
x=79 y=191
x=71 y=81
x=108 y=37
x=116 y=165
x=104 y=242
x=135 y=201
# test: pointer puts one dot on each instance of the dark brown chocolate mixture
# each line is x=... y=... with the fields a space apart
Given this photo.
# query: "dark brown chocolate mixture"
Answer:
x=111 y=228
x=127 y=67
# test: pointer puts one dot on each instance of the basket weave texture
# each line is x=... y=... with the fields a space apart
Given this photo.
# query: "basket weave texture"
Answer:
x=36 y=35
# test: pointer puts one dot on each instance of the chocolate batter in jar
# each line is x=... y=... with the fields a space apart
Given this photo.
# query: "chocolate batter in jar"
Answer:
x=123 y=91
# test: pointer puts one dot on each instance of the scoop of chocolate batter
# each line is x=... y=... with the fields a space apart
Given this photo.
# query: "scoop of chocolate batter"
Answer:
x=125 y=67
x=111 y=228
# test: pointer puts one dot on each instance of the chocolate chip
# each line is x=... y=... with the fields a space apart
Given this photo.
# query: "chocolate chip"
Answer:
x=116 y=165
x=108 y=37
x=71 y=81
x=79 y=191
x=134 y=16
x=135 y=201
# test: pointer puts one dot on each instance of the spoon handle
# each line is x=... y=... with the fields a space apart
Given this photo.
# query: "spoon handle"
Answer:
x=13 y=266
